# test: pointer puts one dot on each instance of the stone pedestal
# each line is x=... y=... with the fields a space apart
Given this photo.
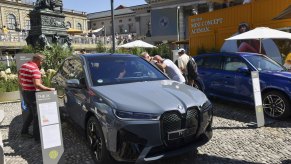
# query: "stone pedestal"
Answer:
x=47 y=27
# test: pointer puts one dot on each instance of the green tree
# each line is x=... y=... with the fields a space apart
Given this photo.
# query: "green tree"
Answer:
x=100 y=47
x=55 y=55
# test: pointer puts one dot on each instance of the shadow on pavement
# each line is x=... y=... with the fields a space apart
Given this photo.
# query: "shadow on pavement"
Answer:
x=199 y=158
x=243 y=113
x=27 y=148
x=76 y=150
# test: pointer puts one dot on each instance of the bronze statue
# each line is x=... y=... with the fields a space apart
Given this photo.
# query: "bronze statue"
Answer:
x=49 y=4
x=67 y=42
x=43 y=41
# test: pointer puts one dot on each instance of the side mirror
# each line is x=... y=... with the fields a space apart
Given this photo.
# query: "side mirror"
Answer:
x=73 y=83
x=243 y=70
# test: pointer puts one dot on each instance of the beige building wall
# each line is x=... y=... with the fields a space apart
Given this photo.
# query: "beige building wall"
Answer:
x=21 y=10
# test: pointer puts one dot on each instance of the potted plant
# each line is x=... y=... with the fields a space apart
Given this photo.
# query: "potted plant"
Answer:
x=9 y=87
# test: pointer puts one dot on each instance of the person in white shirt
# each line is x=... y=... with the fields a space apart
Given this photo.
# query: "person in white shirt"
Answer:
x=170 y=68
x=247 y=1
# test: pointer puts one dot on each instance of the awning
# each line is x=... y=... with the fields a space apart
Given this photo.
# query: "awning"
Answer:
x=181 y=42
x=285 y=14
x=74 y=31
x=97 y=30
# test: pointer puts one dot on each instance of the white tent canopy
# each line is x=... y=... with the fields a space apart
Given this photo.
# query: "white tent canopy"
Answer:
x=97 y=30
x=262 y=33
x=137 y=43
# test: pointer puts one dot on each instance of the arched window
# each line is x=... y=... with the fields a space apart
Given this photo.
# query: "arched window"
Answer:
x=79 y=26
x=68 y=25
x=11 y=22
x=27 y=24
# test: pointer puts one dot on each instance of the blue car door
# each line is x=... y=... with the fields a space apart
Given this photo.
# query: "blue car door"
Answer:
x=209 y=68
x=237 y=85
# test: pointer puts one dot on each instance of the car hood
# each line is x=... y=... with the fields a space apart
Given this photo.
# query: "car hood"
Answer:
x=282 y=74
x=151 y=96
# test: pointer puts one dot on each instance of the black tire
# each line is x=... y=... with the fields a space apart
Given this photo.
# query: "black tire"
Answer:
x=96 y=142
x=276 y=105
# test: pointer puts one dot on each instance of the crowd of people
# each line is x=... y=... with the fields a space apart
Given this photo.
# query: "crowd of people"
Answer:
x=178 y=71
x=17 y=35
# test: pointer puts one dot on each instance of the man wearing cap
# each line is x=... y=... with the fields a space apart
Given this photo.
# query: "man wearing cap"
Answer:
x=182 y=62
x=30 y=82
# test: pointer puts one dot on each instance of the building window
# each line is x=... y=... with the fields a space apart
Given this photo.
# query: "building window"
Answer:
x=102 y=23
x=79 y=26
x=68 y=25
x=11 y=22
x=27 y=24
x=130 y=27
x=129 y=20
x=121 y=31
x=94 y=24
x=120 y=21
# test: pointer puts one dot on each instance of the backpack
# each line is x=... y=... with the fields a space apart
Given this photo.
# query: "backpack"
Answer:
x=192 y=68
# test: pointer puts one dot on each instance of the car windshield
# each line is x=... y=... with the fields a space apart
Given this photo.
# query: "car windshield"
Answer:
x=262 y=63
x=110 y=70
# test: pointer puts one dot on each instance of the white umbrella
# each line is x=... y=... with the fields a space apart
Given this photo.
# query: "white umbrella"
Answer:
x=137 y=43
x=97 y=30
x=261 y=33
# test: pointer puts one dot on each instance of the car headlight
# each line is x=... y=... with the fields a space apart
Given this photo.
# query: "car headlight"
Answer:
x=126 y=115
x=206 y=106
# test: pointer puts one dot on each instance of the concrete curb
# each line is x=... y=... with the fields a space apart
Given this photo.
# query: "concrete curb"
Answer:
x=5 y=102
x=2 y=161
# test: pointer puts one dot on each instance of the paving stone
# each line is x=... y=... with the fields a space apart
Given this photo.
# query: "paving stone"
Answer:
x=233 y=140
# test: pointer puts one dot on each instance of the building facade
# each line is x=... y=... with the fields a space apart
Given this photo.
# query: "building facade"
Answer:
x=14 y=15
x=157 y=20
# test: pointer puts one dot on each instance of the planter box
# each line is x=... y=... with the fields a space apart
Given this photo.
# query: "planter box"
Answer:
x=9 y=96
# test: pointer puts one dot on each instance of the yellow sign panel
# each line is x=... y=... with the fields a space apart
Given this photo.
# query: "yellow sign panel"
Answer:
x=209 y=30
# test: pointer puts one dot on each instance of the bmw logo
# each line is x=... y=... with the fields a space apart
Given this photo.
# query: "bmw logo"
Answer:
x=164 y=22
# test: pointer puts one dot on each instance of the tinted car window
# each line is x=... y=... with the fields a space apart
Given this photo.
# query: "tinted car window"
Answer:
x=213 y=62
x=71 y=69
x=262 y=63
x=107 y=70
x=232 y=63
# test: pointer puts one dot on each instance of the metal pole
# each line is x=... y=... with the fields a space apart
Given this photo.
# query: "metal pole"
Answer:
x=178 y=25
x=113 y=31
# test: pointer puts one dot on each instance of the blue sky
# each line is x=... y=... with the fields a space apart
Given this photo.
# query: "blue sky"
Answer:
x=90 y=6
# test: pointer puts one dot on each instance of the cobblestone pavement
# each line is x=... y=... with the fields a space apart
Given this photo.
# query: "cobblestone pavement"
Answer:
x=233 y=141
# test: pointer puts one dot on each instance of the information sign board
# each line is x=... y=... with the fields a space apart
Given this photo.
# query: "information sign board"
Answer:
x=258 y=99
x=50 y=127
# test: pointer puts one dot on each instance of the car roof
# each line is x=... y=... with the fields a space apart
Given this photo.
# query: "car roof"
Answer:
x=104 y=55
x=230 y=53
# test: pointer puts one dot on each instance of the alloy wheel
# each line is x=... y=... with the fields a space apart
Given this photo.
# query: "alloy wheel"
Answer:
x=274 y=105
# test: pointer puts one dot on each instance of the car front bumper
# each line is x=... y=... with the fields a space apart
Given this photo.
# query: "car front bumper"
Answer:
x=138 y=141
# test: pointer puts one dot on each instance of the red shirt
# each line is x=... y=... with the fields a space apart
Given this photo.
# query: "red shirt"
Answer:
x=29 y=71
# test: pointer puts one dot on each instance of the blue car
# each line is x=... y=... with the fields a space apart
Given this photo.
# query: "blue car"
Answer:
x=228 y=76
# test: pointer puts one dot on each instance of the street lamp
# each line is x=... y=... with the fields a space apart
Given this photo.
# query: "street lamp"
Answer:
x=113 y=31
x=178 y=25
x=148 y=34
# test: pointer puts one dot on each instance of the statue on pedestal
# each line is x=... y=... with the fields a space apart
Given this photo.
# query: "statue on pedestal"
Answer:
x=49 y=4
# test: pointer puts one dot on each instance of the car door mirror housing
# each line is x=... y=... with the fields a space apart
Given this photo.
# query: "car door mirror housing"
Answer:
x=74 y=83
x=243 y=69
